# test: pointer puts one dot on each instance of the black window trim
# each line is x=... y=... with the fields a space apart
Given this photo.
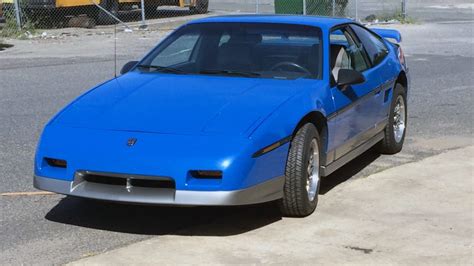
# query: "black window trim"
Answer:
x=347 y=27
x=354 y=35
x=359 y=42
x=377 y=37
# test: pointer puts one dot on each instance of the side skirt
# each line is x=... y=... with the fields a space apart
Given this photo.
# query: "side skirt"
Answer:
x=329 y=169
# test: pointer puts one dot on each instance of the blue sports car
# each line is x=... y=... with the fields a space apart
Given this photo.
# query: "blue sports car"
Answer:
x=232 y=110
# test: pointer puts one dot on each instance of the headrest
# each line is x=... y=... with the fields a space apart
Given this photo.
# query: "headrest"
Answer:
x=335 y=48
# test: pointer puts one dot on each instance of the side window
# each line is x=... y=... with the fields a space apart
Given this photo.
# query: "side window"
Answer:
x=345 y=53
x=373 y=44
x=179 y=52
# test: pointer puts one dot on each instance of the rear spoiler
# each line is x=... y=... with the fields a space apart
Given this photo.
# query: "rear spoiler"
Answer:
x=389 y=34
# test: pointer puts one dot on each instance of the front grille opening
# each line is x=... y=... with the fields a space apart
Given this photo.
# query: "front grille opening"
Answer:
x=108 y=180
x=134 y=182
x=152 y=183
x=56 y=162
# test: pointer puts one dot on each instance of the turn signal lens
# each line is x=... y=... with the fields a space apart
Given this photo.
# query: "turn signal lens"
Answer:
x=206 y=174
x=56 y=162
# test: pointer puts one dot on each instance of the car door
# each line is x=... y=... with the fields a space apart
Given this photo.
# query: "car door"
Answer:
x=377 y=52
x=355 y=116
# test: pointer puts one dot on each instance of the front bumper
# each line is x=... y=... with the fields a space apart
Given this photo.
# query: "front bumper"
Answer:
x=263 y=192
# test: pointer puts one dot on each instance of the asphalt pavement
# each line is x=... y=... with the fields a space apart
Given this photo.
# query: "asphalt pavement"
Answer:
x=52 y=229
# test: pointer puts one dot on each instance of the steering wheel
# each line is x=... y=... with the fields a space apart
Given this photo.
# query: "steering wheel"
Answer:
x=291 y=65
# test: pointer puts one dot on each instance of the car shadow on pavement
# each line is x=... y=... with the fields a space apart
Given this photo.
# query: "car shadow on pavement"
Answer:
x=202 y=221
x=162 y=220
x=348 y=171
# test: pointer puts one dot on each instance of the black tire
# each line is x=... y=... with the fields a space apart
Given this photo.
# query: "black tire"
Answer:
x=295 y=201
x=389 y=144
x=201 y=7
x=113 y=7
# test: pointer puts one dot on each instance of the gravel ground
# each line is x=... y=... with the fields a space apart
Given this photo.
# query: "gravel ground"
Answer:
x=38 y=77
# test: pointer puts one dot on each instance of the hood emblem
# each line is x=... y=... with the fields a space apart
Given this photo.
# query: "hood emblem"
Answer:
x=131 y=142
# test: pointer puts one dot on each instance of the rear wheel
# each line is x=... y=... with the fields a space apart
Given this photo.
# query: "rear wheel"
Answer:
x=397 y=121
x=201 y=7
x=302 y=175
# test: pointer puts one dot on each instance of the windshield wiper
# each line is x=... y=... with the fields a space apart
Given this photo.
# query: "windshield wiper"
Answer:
x=163 y=69
x=229 y=73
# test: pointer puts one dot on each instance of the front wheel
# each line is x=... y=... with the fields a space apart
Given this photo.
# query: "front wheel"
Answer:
x=302 y=174
x=394 y=133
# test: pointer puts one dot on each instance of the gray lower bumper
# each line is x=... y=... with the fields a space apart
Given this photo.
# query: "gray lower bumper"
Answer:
x=267 y=191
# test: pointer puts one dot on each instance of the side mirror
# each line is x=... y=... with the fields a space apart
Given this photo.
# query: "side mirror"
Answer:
x=347 y=77
x=128 y=66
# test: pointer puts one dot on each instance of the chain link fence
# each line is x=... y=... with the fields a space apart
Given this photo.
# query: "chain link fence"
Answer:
x=19 y=18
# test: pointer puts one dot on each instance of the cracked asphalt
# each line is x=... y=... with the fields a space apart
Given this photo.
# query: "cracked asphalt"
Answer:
x=52 y=229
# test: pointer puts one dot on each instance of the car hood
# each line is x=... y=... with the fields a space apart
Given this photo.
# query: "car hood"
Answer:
x=178 y=104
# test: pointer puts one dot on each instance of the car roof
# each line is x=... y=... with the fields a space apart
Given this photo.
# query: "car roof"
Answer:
x=318 y=21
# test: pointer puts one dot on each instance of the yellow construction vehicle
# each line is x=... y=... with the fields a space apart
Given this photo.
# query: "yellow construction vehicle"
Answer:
x=89 y=8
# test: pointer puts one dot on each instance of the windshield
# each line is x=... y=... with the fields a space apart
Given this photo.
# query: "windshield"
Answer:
x=265 y=50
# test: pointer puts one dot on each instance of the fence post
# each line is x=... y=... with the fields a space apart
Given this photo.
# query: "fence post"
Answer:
x=333 y=8
x=143 y=26
x=17 y=14
x=304 y=7
x=404 y=9
x=357 y=10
